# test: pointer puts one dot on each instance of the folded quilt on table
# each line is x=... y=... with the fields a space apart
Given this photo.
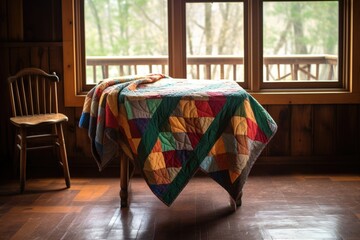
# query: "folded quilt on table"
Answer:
x=173 y=127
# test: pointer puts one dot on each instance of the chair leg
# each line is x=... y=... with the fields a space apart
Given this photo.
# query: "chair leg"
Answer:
x=63 y=155
x=16 y=158
x=22 y=159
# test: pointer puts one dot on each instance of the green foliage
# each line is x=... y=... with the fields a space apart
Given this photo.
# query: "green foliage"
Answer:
x=139 y=27
x=128 y=27
x=301 y=27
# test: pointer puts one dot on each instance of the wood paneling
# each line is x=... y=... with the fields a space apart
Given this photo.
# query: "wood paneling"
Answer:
x=280 y=145
x=3 y=20
x=15 y=20
x=42 y=21
x=347 y=130
x=5 y=132
x=324 y=129
x=301 y=130
x=39 y=57
x=19 y=58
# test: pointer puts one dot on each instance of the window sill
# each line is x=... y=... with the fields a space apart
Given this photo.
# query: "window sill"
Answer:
x=329 y=97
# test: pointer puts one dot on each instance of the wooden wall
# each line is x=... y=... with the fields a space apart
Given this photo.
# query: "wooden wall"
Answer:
x=309 y=137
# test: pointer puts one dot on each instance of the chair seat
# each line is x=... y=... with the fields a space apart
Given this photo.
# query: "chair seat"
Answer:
x=40 y=119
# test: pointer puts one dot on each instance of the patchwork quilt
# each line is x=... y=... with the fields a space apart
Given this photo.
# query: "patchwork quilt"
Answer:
x=171 y=128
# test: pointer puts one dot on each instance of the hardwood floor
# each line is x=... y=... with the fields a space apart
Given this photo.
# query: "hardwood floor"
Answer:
x=274 y=207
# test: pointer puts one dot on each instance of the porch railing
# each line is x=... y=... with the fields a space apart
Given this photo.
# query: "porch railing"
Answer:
x=276 y=68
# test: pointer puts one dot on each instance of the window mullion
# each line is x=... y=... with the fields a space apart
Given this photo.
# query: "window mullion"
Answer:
x=255 y=61
x=177 y=38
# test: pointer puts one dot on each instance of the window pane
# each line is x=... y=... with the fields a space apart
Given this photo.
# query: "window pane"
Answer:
x=301 y=41
x=125 y=37
x=215 y=40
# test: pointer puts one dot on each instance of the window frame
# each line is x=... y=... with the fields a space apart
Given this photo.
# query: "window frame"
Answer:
x=348 y=92
x=313 y=86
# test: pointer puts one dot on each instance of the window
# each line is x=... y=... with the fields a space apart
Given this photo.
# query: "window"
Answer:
x=124 y=37
x=215 y=40
x=279 y=51
x=301 y=44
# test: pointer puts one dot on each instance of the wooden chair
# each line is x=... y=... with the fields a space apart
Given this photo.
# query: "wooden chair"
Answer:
x=34 y=103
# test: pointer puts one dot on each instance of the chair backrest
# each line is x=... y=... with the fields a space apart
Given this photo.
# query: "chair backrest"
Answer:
x=32 y=92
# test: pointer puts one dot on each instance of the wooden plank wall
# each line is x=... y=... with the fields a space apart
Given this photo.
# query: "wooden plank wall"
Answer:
x=30 y=35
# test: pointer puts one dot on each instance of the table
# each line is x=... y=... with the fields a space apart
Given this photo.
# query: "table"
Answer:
x=170 y=128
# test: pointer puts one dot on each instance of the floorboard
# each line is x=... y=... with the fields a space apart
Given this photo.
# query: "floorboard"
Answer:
x=274 y=207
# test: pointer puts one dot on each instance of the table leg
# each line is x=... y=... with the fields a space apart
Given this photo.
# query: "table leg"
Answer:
x=236 y=203
x=124 y=181
x=238 y=200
